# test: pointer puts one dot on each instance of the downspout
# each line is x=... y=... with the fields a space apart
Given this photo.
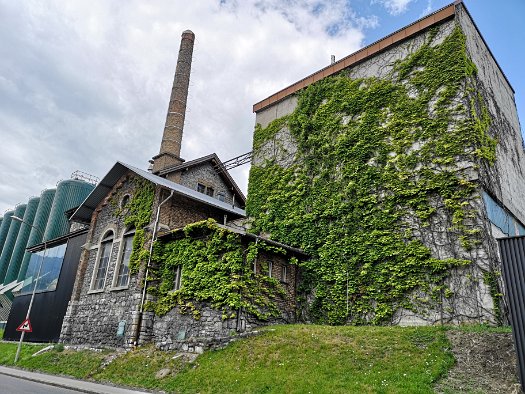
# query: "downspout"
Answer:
x=143 y=298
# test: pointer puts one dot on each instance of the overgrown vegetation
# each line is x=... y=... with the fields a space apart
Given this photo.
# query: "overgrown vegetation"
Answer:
x=291 y=359
x=375 y=166
x=137 y=214
x=217 y=268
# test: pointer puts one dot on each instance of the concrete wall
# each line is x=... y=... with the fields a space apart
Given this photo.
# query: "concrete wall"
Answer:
x=472 y=301
x=506 y=180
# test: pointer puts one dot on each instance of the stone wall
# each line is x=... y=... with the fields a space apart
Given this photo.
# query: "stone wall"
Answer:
x=205 y=174
x=93 y=317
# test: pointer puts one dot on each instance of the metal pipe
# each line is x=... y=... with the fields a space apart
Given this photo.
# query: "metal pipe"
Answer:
x=17 y=355
x=153 y=239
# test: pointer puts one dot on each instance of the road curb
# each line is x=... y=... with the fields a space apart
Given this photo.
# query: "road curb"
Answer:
x=65 y=382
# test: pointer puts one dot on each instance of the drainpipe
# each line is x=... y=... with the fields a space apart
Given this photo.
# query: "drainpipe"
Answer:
x=143 y=298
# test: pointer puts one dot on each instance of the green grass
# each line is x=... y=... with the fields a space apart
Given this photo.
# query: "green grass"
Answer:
x=291 y=359
x=481 y=328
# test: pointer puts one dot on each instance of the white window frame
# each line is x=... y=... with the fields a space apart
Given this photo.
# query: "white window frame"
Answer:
x=127 y=233
x=177 y=282
x=104 y=239
x=284 y=273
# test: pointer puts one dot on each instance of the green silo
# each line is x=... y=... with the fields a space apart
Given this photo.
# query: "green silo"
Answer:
x=10 y=241
x=70 y=194
x=40 y=221
x=4 y=228
x=21 y=241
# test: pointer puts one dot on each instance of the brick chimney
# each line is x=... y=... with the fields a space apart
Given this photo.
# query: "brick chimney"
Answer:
x=169 y=154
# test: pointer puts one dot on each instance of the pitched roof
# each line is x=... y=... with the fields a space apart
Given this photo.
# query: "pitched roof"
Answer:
x=443 y=14
x=85 y=210
x=215 y=162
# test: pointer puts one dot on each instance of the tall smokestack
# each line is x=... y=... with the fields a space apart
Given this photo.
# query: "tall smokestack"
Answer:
x=169 y=154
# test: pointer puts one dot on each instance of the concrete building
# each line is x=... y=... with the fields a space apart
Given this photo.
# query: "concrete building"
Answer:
x=403 y=163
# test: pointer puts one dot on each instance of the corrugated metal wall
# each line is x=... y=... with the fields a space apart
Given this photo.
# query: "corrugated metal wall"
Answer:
x=70 y=194
x=4 y=228
x=40 y=221
x=10 y=241
x=21 y=241
x=513 y=260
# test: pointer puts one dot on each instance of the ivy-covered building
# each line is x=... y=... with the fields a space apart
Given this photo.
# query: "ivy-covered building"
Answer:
x=165 y=260
x=396 y=168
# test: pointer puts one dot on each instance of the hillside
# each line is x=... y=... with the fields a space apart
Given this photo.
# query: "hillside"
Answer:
x=306 y=359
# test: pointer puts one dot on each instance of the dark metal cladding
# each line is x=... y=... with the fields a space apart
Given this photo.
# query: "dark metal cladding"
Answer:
x=513 y=263
x=49 y=308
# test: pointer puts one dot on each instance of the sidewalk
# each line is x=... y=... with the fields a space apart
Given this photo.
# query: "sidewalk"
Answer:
x=59 y=381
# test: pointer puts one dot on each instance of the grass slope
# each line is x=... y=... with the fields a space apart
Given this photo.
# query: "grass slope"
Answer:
x=292 y=359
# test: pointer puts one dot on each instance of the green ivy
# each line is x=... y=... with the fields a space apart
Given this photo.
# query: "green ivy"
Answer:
x=216 y=269
x=376 y=158
x=138 y=215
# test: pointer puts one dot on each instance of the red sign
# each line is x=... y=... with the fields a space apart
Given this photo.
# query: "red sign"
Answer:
x=25 y=326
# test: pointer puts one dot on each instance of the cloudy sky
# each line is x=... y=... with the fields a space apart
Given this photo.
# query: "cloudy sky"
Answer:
x=85 y=83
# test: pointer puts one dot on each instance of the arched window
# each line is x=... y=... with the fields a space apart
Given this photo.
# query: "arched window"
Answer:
x=122 y=270
x=104 y=255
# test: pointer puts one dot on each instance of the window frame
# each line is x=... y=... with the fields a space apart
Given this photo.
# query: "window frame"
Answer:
x=177 y=281
x=128 y=233
x=104 y=240
x=284 y=273
x=270 y=269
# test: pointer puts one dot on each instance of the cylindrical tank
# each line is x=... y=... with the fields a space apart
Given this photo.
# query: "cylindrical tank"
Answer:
x=4 y=228
x=70 y=194
x=21 y=241
x=10 y=241
x=40 y=222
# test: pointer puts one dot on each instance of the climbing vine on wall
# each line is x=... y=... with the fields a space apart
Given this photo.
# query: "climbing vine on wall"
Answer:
x=376 y=161
x=138 y=215
x=217 y=268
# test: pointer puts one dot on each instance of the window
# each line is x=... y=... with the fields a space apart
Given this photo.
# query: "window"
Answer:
x=208 y=190
x=122 y=270
x=178 y=276
x=270 y=268
x=284 y=274
x=49 y=273
x=221 y=197
x=104 y=255
x=125 y=201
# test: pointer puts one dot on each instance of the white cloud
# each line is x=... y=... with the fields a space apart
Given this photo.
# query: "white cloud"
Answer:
x=394 y=7
x=86 y=83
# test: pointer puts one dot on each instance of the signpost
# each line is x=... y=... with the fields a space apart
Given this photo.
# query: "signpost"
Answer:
x=25 y=326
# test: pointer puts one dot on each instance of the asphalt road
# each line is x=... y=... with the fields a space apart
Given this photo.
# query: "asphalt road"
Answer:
x=11 y=385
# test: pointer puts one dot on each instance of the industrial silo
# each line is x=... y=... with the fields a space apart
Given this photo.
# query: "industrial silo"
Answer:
x=21 y=241
x=10 y=241
x=40 y=222
x=4 y=228
x=70 y=194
